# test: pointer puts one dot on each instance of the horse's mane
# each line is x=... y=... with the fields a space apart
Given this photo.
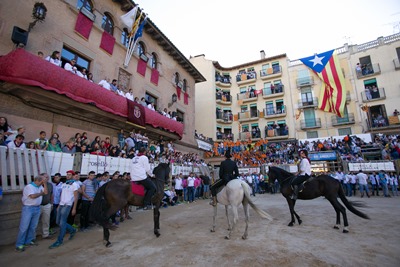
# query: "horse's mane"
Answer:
x=280 y=171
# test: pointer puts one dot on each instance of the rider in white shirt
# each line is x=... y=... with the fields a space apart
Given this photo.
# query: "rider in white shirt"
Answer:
x=303 y=174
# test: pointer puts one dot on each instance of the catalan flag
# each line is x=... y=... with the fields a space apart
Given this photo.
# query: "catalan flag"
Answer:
x=333 y=90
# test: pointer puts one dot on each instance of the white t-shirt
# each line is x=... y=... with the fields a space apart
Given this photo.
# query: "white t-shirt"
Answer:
x=129 y=96
x=31 y=189
x=67 y=194
x=305 y=167
x=105 y=84
x=140 y=167
x=178 y=184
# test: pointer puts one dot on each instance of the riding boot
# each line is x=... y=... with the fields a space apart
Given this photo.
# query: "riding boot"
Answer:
x=213 y=201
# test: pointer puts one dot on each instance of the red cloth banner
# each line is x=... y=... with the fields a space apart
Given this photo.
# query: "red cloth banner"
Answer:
x=186 y=98
x=83 y=26
x=154 y=76
x=141 y=67
x=156 y=120
x=136 y=113
x=178 y=92
x=107 y=42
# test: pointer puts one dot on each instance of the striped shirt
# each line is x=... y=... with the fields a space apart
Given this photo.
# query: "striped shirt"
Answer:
x=90 y=188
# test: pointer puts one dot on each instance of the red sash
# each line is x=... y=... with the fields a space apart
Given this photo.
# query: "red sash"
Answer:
x=137 y=189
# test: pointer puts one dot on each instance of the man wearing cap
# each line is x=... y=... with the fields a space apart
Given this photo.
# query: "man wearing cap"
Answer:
x=227 y=171
x=68 y=201
x=140 y=170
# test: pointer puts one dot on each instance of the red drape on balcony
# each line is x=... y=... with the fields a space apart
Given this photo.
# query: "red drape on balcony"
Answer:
x=154 y=76
x=136 y=113
x=83 y=25
x=22 y=67
x=107 y=42
x=186 y=98
x=178 y=92
x=141 y=67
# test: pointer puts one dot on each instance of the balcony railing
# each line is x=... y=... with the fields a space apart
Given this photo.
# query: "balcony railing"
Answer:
x=368 y=70
x=349 y=119
x=247 y=96
x=273 y=112
x=396 y=63
x=222 y=136
x=246 y=77
x=223 y=81
x=310 y=123
x=373 y=94
x=304 y=81
x=248 y=115
x=224 y=117
x=280 y=133
x=274 y=91
x=275 y=71
x=223 y=98
x=308 y=103
x=249 y=135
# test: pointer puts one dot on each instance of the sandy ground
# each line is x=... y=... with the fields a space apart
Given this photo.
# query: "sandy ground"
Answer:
x=186 y=239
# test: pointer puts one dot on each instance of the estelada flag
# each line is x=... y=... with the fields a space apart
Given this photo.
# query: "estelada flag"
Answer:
x=136 y=113
x=333 y=90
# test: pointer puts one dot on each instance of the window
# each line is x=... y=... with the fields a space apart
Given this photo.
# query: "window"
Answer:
x=140 y=49
x=177 y=77
x=107 y=24
x=243 y=108
x=81 y=61
x=151 y=99
x=344 y=131
x=306 y=97
x=153 y=61
x=245 y=128
x=180 y=116
x=243 y=90
x=184 y=85
x=125 y=38
x=312 y=134
x=269 y=106
x=275 y=66
x=85 y=4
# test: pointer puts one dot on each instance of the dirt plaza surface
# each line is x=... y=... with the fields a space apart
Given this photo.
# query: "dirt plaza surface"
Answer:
x=186 y=239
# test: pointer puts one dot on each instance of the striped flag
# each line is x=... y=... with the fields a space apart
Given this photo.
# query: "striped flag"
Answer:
x=333 y=90
x=139 y=32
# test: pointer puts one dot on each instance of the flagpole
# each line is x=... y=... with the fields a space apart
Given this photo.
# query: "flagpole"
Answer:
x=135 y=41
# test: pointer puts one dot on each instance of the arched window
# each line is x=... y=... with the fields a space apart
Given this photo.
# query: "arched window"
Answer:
x=86 y=4
x=140 y=49
x=124 y=37
x=184 y=85
x=153 y=61
x=107 y=24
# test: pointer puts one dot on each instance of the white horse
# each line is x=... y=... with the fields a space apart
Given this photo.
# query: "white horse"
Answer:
x=234 y=193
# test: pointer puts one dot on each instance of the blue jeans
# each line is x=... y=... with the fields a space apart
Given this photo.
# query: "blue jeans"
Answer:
x=190 y=190
x=27 y=226
x=185 y=194
x=62 y=216
x=385 y=189
x=363 y=187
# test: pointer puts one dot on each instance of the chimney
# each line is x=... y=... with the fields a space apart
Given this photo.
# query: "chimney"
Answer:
x=262 y=54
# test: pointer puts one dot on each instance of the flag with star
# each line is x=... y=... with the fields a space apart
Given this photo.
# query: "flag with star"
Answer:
x=333 y=90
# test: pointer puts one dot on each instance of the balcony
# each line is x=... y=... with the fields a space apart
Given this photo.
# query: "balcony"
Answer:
x=275 y=71
x=337 y=121
x=276 y=134
x=310 y=124
x=368 y=70
x=247 y=96
x=373 y=95
x=224 y=99
x=224 y=117
x=223 y=136
x=247 y=77
x=396 y=63
x=247 y=135
x=308 y=103
x=252 y=115
x=275 y=112
x=305 y=81
x=223 y=81
x=275 y=91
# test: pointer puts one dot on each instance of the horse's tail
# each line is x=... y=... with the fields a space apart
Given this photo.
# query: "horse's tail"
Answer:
x=263 y=214
x=99 y=206
x=350 y=205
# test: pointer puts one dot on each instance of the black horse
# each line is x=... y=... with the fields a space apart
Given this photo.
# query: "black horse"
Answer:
x=322 y=185
x=116 y=194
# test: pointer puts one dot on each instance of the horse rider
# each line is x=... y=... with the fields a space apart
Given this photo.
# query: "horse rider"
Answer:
x=303 y=174
x=141 y=173
x=227 y=171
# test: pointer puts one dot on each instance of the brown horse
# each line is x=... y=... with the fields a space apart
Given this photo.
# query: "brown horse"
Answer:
x=322 y=185
x=116 y=194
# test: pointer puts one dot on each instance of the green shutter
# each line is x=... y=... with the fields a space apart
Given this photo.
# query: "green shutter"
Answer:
x=254 y=125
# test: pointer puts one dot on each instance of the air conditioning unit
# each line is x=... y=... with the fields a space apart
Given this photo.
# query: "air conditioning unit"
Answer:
x=88 y=14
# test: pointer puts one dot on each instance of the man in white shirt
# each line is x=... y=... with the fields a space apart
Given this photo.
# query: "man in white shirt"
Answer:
x=140 y=170
x=129 y=95
x=362 y=183
x=71 y=66
x=18 y=142
x=303 y=174
x=105 y=84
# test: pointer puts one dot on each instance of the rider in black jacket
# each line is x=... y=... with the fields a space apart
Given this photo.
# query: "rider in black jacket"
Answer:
x=227 y=171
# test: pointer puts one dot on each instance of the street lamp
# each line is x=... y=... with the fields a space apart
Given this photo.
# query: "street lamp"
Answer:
x=38 y=14
x=174 y=98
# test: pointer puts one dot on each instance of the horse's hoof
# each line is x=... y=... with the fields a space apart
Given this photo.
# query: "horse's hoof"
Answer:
x=290 y=224
x=108 y=244
x=300 y=221
x=227 y=237
x=345 y=231
x=157 y=233
x=335 y=227
x=244 y=237
x=212 y=230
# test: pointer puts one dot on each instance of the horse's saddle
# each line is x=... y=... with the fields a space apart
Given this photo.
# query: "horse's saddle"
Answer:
x=138 y=189
x=303 y=184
